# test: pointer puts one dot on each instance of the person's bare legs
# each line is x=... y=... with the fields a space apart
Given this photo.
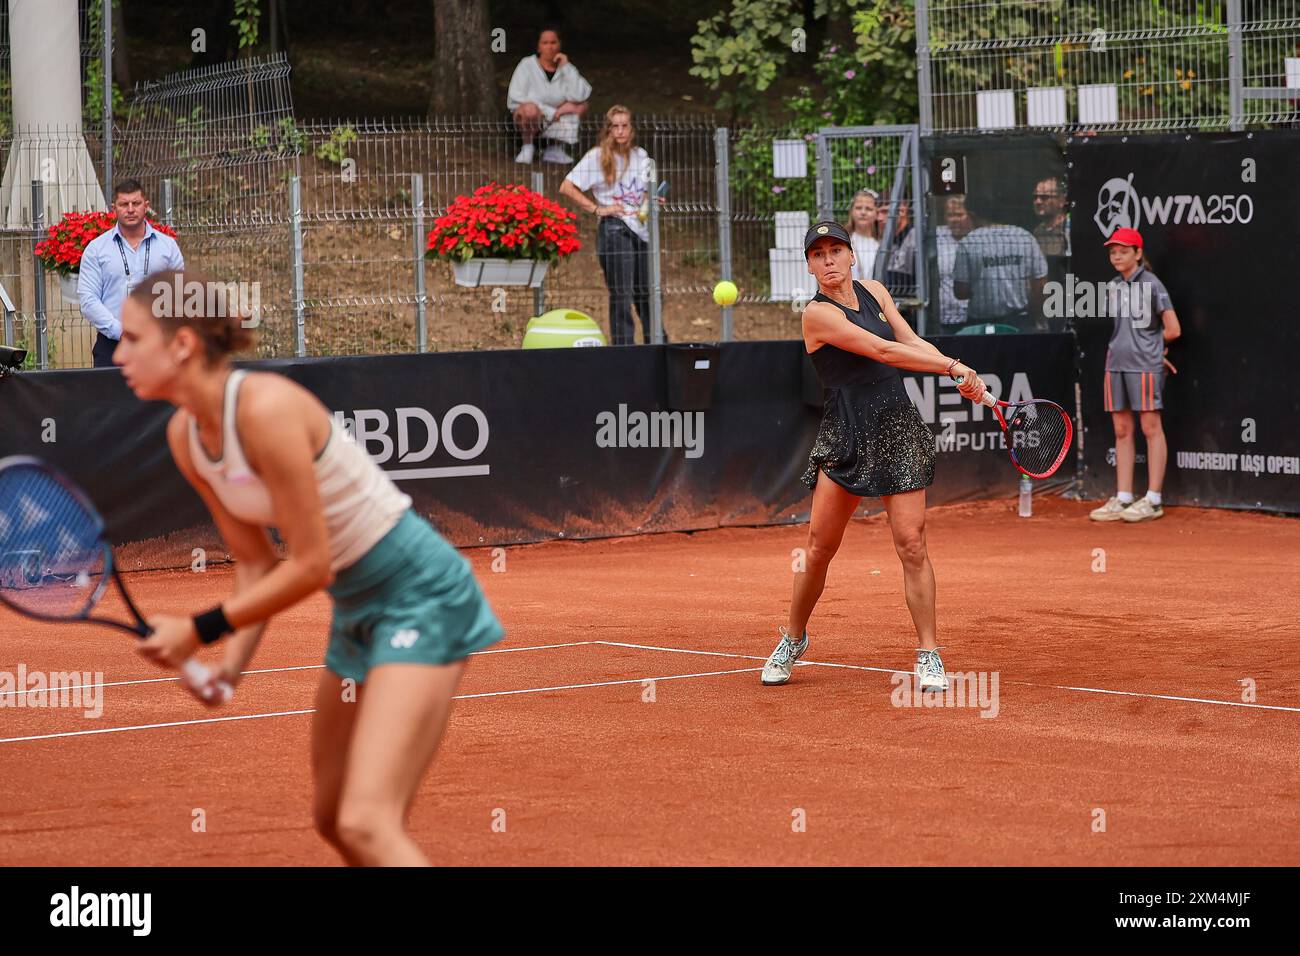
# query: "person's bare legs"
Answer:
x=831 y=509
x=1125 y=450
x=1157 y=451
x=403 y=713
x=907 y=524
x=331 y=733
x=528 y=120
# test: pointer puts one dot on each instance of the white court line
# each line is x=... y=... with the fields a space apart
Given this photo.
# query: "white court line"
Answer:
x=262 y=670
x=1022 y=683
x=290 y=713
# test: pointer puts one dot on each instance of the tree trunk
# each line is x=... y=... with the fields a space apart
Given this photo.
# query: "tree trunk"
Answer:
x=463 y=70
x=121 y=64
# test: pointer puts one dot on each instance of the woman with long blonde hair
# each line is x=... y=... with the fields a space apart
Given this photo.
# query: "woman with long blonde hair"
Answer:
x=617 y=173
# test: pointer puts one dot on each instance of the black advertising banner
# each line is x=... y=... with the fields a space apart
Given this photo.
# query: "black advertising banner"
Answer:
x=508 y=447
x=1220 y=219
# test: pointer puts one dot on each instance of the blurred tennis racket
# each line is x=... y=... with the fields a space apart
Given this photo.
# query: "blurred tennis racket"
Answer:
x=1038 y=433
x=56 y=564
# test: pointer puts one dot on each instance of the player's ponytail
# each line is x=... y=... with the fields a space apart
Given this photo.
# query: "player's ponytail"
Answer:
x=222 y=314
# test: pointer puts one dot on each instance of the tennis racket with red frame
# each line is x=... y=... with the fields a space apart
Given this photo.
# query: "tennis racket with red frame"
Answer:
x=1038 y=433
x=56 y=563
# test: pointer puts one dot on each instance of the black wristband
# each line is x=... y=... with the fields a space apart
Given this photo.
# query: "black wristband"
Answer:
x=212 y=625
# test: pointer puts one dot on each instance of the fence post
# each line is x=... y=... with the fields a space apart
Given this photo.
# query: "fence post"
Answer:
x=923 y=66
x=295 y=231
x=539 y=293
x=918 y=228
x=656 y=291
x=167 y=213
x=825 y=185
x=1236 y=69
x=421 y=295
x=38 y=233
x=722 y=167
x=107 y=56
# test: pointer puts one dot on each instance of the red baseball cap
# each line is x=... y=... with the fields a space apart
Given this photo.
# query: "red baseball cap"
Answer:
x=1125 y=237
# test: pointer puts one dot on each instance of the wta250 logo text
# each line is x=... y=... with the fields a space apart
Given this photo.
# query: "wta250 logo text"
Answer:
x=1121 y=206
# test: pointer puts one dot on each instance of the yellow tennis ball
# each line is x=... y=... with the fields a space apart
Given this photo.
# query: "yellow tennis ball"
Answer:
x=724 y=293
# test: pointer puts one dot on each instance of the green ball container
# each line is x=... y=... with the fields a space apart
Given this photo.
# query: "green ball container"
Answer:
x=562 y=329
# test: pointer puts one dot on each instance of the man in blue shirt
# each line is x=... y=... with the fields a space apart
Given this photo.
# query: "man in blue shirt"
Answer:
x=115 y=262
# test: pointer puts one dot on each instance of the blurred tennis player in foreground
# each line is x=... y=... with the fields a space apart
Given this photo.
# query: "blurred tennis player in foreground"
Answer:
x=262 y=451
x=872 y=441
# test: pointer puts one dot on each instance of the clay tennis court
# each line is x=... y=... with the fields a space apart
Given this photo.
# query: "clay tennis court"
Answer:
x=1119 y=691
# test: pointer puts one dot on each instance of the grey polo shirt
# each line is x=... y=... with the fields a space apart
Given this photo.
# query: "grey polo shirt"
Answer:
x=997 y=263
x=1137 y=343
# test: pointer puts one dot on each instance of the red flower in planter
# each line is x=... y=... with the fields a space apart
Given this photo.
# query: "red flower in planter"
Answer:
x=504 y=222
x=67 y=239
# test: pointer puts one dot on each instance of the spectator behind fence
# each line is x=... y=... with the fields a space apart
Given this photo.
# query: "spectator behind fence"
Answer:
x=952 y=310
x=1053 y=235
x=617 y=172
x=547 y=97
x=861 y=228
x=900 y=260
x=1049 y=207
x=114 y=263
x=1000 y=270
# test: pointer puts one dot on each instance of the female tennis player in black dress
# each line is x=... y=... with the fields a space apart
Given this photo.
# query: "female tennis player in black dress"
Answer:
x=872 y=441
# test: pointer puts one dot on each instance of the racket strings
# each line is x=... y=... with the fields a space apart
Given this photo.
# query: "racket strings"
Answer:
x=1039 y=434
x=51 y=557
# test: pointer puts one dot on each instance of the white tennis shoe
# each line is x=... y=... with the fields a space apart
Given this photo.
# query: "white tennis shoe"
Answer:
x=781 y=663
x=929 y=670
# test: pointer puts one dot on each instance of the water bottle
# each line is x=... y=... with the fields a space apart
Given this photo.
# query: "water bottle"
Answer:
x=1026 y=497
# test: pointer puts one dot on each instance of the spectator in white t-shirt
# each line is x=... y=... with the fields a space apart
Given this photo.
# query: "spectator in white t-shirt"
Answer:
x=547 y=97
x=617 y=172
x=1000 y=269
x=952 y=310
x=861 y=228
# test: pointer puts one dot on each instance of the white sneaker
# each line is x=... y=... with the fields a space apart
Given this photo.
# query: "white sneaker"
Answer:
x=556 y=154
x=1112 y=510
x=525 y=154
x=929 y=670
x=781 y=663
x=1143 y=510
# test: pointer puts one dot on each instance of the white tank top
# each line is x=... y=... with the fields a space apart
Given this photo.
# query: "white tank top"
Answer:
x=361 y=504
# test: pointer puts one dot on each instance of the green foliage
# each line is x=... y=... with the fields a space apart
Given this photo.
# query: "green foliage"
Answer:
x=335 y=149
x=248 y=16
x=284 y=139
x=740 y=52
x=754 y=189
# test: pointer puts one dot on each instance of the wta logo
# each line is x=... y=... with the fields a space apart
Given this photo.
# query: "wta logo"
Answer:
x=1120 y=206
x=414 y=435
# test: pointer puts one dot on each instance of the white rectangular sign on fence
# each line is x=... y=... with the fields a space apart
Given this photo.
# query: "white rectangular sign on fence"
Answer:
x=789 y=158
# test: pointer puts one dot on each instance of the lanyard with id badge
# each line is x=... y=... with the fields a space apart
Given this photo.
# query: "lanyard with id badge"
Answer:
x=126 y=268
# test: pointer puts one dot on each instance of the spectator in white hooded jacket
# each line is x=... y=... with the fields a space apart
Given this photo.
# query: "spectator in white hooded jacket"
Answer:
x=547 y=97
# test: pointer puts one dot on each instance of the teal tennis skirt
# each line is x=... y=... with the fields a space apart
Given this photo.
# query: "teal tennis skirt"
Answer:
x=412 y=599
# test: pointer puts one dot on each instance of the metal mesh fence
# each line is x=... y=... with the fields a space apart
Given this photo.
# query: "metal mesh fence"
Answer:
x=1106 y=65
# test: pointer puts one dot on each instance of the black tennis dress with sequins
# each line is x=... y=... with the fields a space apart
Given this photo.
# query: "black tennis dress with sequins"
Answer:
x=872 y=440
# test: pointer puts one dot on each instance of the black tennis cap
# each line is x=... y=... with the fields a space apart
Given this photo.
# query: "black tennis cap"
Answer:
x=826 y=229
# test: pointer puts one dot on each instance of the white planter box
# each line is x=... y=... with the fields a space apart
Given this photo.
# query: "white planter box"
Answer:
x=68 y=288
x=494 y=272
x=788 y=271
x=791 y=227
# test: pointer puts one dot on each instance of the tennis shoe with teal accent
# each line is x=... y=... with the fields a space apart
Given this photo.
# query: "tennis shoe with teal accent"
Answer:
x=929 y=670
x=781 y=663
